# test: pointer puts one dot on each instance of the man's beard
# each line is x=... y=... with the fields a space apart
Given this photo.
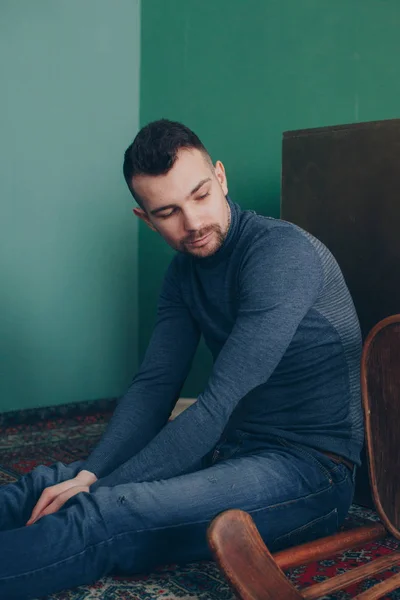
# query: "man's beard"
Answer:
x=184 y=245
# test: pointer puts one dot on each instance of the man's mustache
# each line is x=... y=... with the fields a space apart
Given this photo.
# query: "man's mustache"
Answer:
x=200 y=235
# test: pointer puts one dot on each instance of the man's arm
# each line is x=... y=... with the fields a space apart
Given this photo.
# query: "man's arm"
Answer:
x=145 y=408
x=279 y=280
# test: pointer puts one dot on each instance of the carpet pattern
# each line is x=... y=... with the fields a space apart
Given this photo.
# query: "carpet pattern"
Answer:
x=70 y=437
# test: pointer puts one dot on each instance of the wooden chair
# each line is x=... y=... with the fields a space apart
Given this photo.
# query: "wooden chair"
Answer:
x=256 y=574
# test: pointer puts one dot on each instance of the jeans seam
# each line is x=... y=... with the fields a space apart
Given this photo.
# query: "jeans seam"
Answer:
x=56 y=564
x=252 y=511
x=304 y=527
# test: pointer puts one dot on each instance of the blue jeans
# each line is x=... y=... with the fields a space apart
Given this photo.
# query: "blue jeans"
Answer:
x=294 y=494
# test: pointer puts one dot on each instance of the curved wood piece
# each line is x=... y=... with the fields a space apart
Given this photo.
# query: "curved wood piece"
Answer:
x=245 y=561
x=255 y=574
x=380 y=385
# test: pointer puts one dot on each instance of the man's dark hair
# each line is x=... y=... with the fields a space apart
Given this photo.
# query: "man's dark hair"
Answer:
x=154 y=150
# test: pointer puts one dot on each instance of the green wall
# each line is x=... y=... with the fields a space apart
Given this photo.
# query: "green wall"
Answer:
x=69 y=106
x=240 y=73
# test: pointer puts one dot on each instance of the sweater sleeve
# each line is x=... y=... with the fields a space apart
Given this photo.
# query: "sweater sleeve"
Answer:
x=279 y=280
x=145 y=408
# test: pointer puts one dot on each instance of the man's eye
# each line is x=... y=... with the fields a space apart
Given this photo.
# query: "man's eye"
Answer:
x=165 y=216
x=204 y=195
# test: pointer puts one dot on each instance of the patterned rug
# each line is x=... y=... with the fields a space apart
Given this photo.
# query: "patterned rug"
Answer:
x=71 y=437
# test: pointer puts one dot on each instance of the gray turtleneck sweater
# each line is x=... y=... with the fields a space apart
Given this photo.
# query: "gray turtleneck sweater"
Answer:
x=277 y=316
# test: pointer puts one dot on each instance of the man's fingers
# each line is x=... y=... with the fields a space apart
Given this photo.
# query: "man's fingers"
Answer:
x=44 y=500
x=57 y=503
x=47 y=497
x=51 y=508
x=47 y=511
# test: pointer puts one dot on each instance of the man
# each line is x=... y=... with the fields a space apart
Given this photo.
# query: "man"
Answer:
x=277 y=430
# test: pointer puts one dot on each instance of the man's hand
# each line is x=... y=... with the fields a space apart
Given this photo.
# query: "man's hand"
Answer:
x=55 y=496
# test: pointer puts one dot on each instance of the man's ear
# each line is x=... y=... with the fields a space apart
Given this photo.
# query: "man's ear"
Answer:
x=139 y=212
x=221 y=176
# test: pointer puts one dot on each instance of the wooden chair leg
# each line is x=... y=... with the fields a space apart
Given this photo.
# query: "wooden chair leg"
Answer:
x=355 y=575
x=248 y=565
x=328 y=546
x=381 y=589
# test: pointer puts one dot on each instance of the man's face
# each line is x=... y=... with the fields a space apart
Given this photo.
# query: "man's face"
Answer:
x=187 y=206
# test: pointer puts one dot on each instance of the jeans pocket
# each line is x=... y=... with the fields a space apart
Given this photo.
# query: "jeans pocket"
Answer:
x=328 y=468
x=319 y=527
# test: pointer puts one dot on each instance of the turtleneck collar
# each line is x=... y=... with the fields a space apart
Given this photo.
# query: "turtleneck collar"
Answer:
x=229 y=242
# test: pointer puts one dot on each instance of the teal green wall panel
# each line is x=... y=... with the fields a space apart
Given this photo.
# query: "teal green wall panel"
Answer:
x=240 y=73
x=68 y=263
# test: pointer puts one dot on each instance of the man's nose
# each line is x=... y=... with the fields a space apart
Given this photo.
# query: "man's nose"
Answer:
x=191 y=221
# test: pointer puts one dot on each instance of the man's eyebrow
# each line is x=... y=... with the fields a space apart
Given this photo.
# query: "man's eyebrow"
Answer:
x=194 y=190
x=198 y=186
